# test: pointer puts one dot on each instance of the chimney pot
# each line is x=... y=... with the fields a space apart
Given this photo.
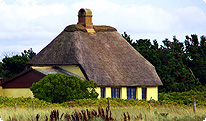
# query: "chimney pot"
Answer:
x=85 y=18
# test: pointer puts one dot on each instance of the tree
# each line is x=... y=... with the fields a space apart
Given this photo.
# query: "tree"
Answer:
x=174 y=74
x=169 y=61
x=58 y=88
x=29 y=53
x=196 y=59
x=127 y=37
x=16 y=64
x=1 y=71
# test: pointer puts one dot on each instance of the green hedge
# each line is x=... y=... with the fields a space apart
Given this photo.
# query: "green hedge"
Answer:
x=183 y=98
x=165 y=99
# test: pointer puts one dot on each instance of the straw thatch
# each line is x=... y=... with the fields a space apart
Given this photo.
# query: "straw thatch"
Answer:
x=78 y=27
x=104 y=56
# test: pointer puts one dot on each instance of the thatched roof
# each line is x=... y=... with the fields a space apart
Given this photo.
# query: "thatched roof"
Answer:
x=105 y=57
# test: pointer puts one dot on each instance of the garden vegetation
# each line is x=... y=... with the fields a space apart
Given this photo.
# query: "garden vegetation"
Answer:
x=58 y=88
x=171 y=106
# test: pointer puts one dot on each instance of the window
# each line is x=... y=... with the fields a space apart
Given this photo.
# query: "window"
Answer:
x=103 y=92
x=131 y=92
x=116 y=92
x=144 y=93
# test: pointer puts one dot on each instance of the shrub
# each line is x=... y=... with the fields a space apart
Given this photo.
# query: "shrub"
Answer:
x=58 y=88
x=185 y=98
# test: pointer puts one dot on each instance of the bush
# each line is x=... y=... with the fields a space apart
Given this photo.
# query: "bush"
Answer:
x=58 y=88
x=185 y=98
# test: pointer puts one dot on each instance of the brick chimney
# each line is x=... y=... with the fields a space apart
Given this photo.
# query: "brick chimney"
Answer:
x=85 y=18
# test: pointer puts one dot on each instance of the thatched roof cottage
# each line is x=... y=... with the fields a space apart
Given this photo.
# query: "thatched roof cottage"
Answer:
x=101 y=54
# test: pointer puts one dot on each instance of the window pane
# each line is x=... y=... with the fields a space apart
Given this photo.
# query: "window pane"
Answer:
x=131 y=92
x=118 y=92
x=103 y=92
x=144 y=93
x=115 y=92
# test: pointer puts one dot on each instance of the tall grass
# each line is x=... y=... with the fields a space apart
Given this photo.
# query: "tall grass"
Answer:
x=158 y=113
x=171 y=106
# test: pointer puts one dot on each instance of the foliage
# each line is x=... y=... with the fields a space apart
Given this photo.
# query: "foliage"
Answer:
x=183 y=98
x=1 y=71
x=86 y=115
x=100 y=114
x=164 y=109
x=173 y=72
x=179 y=65
x=195 y=57
x=15 y=64
x=58 y=88
x=165 y=99
x=24 y=102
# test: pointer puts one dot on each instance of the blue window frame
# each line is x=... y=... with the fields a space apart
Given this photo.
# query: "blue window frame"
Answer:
x=115 y=92
x=131 y=92
x=144 y=93
x=103 y=92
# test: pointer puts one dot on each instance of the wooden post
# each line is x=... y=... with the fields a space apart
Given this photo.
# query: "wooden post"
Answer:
x=194 y=105
x=108 y=104
x=150 y=102
x=15 y=106
x=33 y=105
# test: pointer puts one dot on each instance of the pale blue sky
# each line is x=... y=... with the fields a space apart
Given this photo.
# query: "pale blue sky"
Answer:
x=33 y=24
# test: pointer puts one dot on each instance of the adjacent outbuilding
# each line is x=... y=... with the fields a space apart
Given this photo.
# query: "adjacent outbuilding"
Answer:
x=19 y=85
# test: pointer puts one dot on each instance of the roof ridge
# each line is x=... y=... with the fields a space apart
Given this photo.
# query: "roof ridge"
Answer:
x=100 y=28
